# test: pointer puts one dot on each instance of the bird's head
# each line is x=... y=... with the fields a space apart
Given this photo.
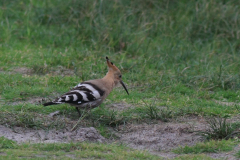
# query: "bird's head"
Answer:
x=116 y=74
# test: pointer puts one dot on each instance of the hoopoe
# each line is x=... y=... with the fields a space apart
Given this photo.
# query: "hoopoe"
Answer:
x=92 y=93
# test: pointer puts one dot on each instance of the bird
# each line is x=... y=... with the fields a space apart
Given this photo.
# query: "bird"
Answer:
x=90 y=94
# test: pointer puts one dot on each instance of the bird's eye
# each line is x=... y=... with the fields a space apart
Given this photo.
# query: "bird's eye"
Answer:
x=120 y=76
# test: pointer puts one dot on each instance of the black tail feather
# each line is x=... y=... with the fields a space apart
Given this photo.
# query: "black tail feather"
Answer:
x=49 y=103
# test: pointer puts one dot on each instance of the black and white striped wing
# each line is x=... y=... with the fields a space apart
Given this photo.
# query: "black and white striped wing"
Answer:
x=82 y=93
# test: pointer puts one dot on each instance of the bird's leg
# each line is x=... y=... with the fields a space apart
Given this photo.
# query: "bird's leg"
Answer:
x=78 y=112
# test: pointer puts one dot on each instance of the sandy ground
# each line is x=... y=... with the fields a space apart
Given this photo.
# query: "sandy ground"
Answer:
x=52 y=71
x=20 y=134
x=161 y=138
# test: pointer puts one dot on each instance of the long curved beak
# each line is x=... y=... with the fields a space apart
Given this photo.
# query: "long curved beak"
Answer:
x=124 y=87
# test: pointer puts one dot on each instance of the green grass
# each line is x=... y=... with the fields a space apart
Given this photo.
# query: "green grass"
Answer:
x=10 y=150
x=219 y=128
x=207 y=147
x=182 y=56
x=7 y=144
x=194 y=157
x=237 y=154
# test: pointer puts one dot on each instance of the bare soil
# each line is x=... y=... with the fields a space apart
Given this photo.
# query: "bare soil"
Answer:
x=160 y=136
x=226 y=103
x=119 y=106
x=23 y=70
x=20 y=135
x=60 y=71
x=32 y=100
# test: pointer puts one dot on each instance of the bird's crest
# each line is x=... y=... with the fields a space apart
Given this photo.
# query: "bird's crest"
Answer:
x=111 y=66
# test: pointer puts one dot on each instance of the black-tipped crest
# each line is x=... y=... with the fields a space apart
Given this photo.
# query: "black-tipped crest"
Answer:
x=109 y=61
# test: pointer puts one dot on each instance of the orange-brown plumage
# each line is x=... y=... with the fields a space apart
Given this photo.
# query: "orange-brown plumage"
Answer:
x=92 y=93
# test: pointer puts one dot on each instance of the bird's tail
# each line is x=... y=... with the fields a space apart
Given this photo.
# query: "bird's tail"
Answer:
x=50 y=103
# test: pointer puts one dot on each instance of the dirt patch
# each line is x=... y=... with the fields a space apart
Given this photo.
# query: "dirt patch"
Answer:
x=3 y=154
x=70 y=156
x=226 y=103
x=119 y=106
x=32 y=100
x=20 y=70
x=60 y=71
x=161 y=136
x=23 y=70
x=40 y=155
x=20 y=135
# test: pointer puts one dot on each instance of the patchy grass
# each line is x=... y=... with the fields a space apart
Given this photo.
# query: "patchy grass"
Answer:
x=237 y=154
x=153 y=112
x=74 y=150
x=207 y=147
x=194 y=157
x=219 y=128
x=7 y=144
x=106 y=117
x=31 y=120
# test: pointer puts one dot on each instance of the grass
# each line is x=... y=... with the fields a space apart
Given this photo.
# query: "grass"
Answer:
x=11 y=150
x=182 y=55
x=7 y=144
x=207 y=147
x=219 y=128
x=237 y=154
x=153 y=112
x=194 y=157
